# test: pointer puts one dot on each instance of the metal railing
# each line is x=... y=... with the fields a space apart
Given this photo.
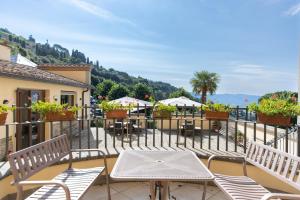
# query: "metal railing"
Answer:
x=187 y=128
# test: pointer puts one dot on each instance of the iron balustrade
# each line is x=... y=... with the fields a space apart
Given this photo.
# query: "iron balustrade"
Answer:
x=187 y=128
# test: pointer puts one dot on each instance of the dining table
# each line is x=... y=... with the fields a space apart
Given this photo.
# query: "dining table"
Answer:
x=160 y=167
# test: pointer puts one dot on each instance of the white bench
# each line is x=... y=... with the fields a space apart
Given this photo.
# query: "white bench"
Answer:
x=282 y=165
x=70 y=185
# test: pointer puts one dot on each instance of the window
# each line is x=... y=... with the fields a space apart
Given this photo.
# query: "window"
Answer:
x=68 y=98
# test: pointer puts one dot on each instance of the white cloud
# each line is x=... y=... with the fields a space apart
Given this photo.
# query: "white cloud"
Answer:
x=98 y=11
x=294 y=10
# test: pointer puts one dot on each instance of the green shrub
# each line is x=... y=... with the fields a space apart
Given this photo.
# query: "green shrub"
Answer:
x=107 y=106
x=216 y=107
x=46 y=107
x=273 y=107
x=164 y=108
x=5 y=109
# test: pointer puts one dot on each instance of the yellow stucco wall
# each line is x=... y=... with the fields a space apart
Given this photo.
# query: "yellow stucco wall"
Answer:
x=4 y=53
x=218 y=166
x=8 y=88
x=82 y=76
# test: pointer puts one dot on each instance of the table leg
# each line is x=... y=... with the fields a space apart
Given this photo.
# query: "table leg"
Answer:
x=165 y=193
x=152 y=190
x=204 y=190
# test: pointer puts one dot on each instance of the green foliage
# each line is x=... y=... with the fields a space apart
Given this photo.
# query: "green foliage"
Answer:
x=205 y=82
x=273 y=107
x=56 y=54
x=181 y=92
x=216 y=107
x=104 y=87
x=46 y=107
x=5 y=109
x=141 y=91
x=163 y=107
x=117 y=91
x=107 y=106
x=285 y=95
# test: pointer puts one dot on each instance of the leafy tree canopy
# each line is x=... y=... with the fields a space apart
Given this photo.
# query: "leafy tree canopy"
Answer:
x=284 y=95
x=117 y=91
x=104 y=88
x=142 y=91
x=181 y=92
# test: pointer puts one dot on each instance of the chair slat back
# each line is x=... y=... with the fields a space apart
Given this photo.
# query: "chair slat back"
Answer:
x=280 y=164
x=27 y=162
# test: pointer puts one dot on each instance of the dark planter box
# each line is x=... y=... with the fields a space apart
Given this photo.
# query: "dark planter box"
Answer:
x=277 y=120
x=213 y=115
x=161 y=115
x=3 y=117
x=116 y=114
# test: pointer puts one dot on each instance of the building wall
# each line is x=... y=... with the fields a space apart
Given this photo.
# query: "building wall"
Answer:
x=82 y=76
x=8 y=91
x=222 y=167
x=4 y=53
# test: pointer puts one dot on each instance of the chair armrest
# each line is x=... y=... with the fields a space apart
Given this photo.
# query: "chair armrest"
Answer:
x=281 y=196
x=213 y=157
x=57 y=183
x=85 y=150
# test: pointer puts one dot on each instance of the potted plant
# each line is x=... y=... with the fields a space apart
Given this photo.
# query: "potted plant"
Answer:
x=162 y=111
x=55 y=112
x=114 y=110
x=275 y=111
x=216 y=111
x=3 y=113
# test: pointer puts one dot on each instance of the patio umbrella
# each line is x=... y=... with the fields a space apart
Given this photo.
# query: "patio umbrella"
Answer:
x=133 y=101
x=180 y=102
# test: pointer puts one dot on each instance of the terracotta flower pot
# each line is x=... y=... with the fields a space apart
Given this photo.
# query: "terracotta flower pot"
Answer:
x=3 y=117
x=116 y=114
x=59 y=116
x=214 y=115
x=67 y=116
x=161 y=115
x=277 y=120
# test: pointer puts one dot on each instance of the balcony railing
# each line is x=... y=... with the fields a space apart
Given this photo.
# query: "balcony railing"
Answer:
x=185 y=129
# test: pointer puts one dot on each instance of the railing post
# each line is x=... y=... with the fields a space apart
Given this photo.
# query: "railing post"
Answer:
x=6 y=140
x=247 y=112
x=237 y=113
x=298 y=140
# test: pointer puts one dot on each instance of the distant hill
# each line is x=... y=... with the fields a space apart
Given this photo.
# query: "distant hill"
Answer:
x=57 y=54
x=241 y=100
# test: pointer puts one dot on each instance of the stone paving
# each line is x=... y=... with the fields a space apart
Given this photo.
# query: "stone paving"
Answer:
x=140 y=191
x=154 y=139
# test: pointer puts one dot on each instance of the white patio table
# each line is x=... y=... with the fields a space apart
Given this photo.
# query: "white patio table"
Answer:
x=160 y=167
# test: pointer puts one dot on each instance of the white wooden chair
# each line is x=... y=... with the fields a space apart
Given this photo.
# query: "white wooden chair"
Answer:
x=279 y=164
x=70 y=185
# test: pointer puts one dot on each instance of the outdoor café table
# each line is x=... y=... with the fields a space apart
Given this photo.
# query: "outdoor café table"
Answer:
x=160 y=167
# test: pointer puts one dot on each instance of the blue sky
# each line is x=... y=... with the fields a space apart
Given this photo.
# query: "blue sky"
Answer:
x=252 y=44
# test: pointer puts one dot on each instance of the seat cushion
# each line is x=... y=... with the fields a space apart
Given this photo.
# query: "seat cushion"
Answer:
x=240 y=187
x=78 y=181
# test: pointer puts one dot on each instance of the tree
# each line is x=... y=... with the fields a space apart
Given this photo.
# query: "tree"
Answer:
x=117 y=91
x=104 y=87
x=204 y=82
x=181 y=92
x=285 y=95
x=141 y=91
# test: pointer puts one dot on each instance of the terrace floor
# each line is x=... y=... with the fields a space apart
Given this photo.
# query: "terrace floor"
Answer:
x=162 y=140
x=140 y=191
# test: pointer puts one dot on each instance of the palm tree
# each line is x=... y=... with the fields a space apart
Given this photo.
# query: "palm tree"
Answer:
x=204 y=82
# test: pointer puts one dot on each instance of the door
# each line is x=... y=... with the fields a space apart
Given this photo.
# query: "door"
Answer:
x=33 y=133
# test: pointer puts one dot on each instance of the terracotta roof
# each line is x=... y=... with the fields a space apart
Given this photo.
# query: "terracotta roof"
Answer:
x=24 y=72
x=65 y=67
